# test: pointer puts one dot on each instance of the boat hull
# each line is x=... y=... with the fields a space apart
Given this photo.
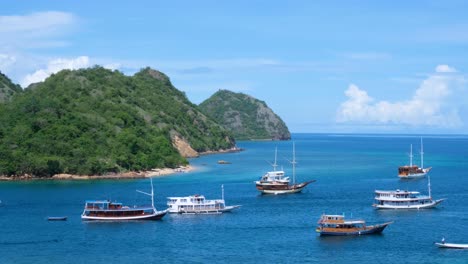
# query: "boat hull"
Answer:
x=155 y=216
x=281 y=188
x=409 y=207
x=204 y=211
x=452 y=245
x=376 y=229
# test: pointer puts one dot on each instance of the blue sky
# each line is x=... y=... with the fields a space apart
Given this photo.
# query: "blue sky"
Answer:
x=323 y=66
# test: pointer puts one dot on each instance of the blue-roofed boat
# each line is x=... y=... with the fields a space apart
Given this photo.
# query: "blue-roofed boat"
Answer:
x=336 y=225
x=105 y=210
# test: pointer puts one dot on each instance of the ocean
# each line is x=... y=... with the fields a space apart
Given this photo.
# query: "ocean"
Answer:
x=267 y=228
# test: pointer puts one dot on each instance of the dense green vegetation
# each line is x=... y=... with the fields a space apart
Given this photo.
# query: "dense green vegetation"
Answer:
x=245 y=116
x=7 y=88
x=94 y=121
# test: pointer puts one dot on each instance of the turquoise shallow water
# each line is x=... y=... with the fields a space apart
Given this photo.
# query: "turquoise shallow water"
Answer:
x=276 y=229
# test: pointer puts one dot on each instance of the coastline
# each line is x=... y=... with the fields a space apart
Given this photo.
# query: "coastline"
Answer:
x=120 y=176
x=112 y=176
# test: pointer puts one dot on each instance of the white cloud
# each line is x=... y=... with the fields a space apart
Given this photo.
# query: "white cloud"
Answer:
x=36 y=30
x=5 y=61
x=55 y=66
x=429 y=106
x=444 y=68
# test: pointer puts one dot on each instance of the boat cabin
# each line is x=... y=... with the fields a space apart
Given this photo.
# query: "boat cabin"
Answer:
x=274 y=176
x=408 y=170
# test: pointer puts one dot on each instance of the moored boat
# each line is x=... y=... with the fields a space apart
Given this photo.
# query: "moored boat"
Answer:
x=399 y=199
x=105 y=210
x=336 y=225
x=198 y=204
x=443 y=244
x=57 y=218
x=275 y=182
x=412 y=171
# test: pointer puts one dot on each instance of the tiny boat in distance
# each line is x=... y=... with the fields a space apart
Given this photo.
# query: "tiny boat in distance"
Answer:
x=275 y=182
x=336 y=225
x=197 y=204
x=57 y=218
x=405 y=199
x=413 y=171
x=105 y=210
x=442 y=244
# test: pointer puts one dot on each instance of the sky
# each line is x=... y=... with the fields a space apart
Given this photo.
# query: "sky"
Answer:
x=322 y=66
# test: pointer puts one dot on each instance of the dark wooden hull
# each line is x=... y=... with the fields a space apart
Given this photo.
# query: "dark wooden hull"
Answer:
x=281 y=188
x=376 y=229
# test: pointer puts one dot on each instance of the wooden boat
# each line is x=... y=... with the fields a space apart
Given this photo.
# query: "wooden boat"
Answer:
x=405 y=199
x=57 y=218
x=105 y=210
x=197 y=204
x=275 y=182
x=412 y=171
x=336 y=225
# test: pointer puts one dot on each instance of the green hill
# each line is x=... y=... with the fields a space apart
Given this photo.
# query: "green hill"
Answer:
x=94 y=121
x=7 y=88
x=245 y=116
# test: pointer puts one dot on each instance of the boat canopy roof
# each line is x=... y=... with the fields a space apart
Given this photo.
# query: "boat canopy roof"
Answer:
x=396 y=192
x=195 y=196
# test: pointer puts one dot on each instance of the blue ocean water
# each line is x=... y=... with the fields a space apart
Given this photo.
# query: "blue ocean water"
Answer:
x=267 y=228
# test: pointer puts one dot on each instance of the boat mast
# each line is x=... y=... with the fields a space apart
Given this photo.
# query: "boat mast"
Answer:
x=411 y=156
x=274 y=164
x=429 y=185
x=222 y=192
x=294 y=163
x=149 y=194
x=422 y=154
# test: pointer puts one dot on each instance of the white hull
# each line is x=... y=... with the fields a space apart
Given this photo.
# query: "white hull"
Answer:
x=406 y=207
x=155 y=215
x=413 y=176
x=204 y=211
x=452 y=245
x=281 y=191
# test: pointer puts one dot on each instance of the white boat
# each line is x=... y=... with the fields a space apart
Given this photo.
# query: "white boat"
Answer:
x=198 y=204
x=412 y=171
x=275 y=182
x=105 y=210
x=451 y=245
x=399 y=199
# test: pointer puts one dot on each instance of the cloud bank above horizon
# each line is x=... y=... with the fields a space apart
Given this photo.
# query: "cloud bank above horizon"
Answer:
x=430 y=104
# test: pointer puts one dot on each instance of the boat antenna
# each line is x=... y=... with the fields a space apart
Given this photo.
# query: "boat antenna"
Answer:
x=222 y=192
x=149 y=194
x=422 y=154
x=411 y=156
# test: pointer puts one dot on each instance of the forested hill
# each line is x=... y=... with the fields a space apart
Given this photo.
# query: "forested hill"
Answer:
x=245 y=116
x=94 y=121
x=7 y=88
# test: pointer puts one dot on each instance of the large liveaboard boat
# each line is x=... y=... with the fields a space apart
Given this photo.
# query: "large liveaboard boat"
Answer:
x=198 y=204
x=105 y=210
x=399 y=199
x=275 y=182
x=413 y=171
x=336 y=225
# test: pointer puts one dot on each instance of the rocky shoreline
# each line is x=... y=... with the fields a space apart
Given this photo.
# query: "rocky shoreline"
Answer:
x=111 y=176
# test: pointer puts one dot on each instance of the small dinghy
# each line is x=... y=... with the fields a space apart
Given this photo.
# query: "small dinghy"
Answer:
x=57 y=218
x=442 y=244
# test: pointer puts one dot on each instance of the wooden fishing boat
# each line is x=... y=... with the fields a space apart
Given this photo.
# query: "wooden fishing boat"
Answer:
x=105 y=210
x=412 y=171
x=336 y=225
x=275 y=182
